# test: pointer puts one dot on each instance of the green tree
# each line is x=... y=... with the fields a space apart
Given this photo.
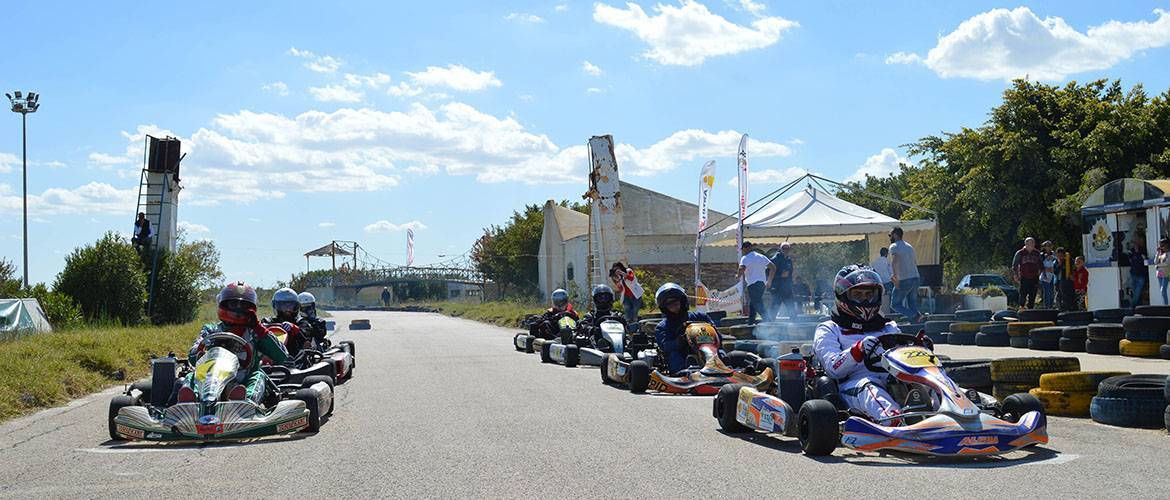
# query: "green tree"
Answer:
x=176 y=288
x=106 y=279
x=202 y=258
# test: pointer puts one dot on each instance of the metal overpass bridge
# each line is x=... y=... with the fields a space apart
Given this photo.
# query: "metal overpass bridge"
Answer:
x=353 y=269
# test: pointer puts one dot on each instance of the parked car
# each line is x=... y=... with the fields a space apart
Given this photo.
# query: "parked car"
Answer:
x=981 y=281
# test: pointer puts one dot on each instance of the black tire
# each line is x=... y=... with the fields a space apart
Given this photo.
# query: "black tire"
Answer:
x=116 y=405
x=938 y=338
x=961 y=338
x=992 y=340
x=818 y=428
x=1140 y=413
x=971 y=375
x=1001 y=390
x=1152 y=310
x=1044 y=344
x=1146 y=336
x=940 y=317
x=1076 y=332
x=605 y=360
x=912 y=328
x=1146 y=323
x=1110 y=347
x=1134 y=387
x=1106 y=330
x=723 y=407
x=639 y=376
x=949 y=364
x=1075 y=317
x=1038 y=315
x=309 y=397
x=741 y=359
x=1166 y=417
x=145 y=388
x=1109 y=315
x=1164 y=352
x=313 y=379
x=1046 y=333
x=515 y=342
x=351 y=347
x=994 y=329
x=572 y=356
x=545 y=357
x=1017 y=405
x=1018 y=342
x=529 y=344
x=973 y=315
x=1005 y=315
x=1071 y=345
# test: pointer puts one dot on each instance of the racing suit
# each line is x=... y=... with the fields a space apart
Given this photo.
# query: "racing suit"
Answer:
x=546 y=328
x=672 y=341
x=839 y=351
x=260 y=339
x=591 y=322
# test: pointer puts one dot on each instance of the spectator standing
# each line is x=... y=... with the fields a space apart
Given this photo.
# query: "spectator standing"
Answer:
x=757 y=272
x=801 y=292
x=783 y=301
x=1139 y=271
x=386 y=296
x=1026 y=270
x=626 y=285
x=142 y=233
x=1065 y=296
x=904 y=264
x=1162 y=266
x=1081 y=283
x=881 y=265
x=1048 y=283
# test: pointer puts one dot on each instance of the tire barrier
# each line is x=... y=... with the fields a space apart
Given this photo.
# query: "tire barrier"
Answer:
x=1152 y=310
x=1038 y=315
x=1139 y=349
x=967 y=326
x=1074 y=318
x=1065 y=404
x=961 y=338
x=1005 y=315
x=973 y=315
x=1076 y=381
x=1131 y=401
x=1046 y=338
x=359 y=324
x=1029 y=370
x=1110 y=315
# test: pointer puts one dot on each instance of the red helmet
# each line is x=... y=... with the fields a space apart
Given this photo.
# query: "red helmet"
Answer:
x=237 y=304
x=851 y=277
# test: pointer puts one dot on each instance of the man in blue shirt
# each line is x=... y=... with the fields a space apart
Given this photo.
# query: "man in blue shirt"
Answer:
x=783 y=302
x=670 y=332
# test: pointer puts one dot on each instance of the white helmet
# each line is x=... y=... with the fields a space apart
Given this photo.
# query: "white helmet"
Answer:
x=308 y=304
x=284 y=303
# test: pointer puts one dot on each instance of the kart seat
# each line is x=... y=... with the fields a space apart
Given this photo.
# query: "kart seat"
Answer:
x=715 y=372
x=826 y=388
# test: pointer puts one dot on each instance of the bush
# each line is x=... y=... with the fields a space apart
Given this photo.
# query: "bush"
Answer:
x=176 y=290
x=106 y=280
x=62 y=311
x=9 y=284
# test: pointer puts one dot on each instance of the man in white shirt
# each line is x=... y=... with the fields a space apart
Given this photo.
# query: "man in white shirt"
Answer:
x=881 y=265
x=756 y=271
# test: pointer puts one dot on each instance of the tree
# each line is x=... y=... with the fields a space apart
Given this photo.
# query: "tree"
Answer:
x=507 y=254
x=201 y=257
x=176 y=287
x=106 y=279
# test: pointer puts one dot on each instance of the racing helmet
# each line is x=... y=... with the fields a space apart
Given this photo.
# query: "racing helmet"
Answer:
x=854 y=277
x=560 y=299
x=671 y=292
x=237 y=304
x=285 y=303
x=602 y=298
x=308 y=304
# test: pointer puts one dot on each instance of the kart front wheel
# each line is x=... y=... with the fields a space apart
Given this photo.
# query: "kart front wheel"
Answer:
x=1017 y=405
x=309 y=397
x=605 y=361
x=116 y=405
x=817 y=427
x=724 y=408
x=545 y=356
x=639 y=376
x=572 y=356
x=313 y=379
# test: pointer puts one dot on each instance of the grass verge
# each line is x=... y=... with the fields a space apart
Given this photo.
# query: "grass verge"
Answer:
x=501 y=313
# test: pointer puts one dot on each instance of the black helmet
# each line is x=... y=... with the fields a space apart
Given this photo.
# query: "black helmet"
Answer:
x=671 y=292
x=560 y=298
x=849 y=278
x=602 y=298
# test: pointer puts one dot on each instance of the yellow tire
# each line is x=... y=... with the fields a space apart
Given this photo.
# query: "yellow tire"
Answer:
x=1029 y=370
x=1075 y=381
x=1138 y=348
x=967 y=326
x=1021 y=328
x=1068 y=404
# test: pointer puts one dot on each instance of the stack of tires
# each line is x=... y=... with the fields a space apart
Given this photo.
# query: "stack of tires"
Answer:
x=966 y=326
x=1073 y=338
x=1104 y=338
x=1019 y=375
x=937 y=329
x=1018 y=331
x=1006 y=315
x=1045 y=338
x=912 y=328
x=1131 y=401
x=1074 y=318
x=970 y=373
x=994 y=334
x=1069 y=394
x=1110 y=315
x=1144 y=335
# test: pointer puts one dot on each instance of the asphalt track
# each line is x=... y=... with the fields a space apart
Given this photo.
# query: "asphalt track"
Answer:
x=443 y=407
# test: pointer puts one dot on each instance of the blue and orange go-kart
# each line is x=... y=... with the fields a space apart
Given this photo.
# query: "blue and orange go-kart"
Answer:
x=708 y=370
x=940 y=418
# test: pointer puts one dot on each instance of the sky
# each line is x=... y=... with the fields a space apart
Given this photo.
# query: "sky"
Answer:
x=304 y=124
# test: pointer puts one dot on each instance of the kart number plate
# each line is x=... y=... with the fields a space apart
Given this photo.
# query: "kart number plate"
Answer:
x=130 y=431
x=293 y=424
x=208 y=428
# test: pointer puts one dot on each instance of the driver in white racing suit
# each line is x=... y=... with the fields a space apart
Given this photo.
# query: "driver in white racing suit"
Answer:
x=842 y=343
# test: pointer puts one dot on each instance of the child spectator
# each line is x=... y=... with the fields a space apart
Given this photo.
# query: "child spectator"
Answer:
x=1081 y=283
x=1162 y=265
x=1048 y=283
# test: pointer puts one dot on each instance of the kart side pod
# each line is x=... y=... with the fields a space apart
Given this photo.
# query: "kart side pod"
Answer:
x=740 y=408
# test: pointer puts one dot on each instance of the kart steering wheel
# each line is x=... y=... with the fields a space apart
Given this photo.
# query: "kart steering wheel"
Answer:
x=307 y=357
x=888 y=341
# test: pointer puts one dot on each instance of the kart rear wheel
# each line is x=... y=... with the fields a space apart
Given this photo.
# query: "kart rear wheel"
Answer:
x=545 y=357
x=144 y=387
x=724 y=408
x=313 y=379
x=309 y=397
x=515 y=341
x=528 y=344
x=818 y=428
x=639 y=376
x=116 y=405
x=1018 y=405
x=572 y=356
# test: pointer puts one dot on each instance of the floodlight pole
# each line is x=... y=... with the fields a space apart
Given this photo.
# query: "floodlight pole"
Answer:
x=24 y=181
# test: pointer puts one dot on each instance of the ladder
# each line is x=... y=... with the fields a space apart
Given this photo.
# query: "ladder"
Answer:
x=152 y=205
x=596 y=247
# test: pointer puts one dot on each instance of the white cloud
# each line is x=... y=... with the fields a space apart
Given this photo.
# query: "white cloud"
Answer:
x=527 y=97
x=1006 y=44
x=756 y=9
x=326 y=225
x=385 y=226
x=561 y=7
x=593 y=90
x=455 y=76
x=903 y=58
x=796 y=140
x=590 y=69
x=770 y=176
x=336 y=93
x=374 y=81
x=883 y=164
x=8 y=162
x=107 y=160
x=280 y=88
x=91 y=198
x=689 y=33
x=404 y=89
x=192 y=228
x=319 y=64
x=524 y=18
x=54 y=164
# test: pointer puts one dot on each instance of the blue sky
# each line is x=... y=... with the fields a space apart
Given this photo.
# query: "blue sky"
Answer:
x=305 y=124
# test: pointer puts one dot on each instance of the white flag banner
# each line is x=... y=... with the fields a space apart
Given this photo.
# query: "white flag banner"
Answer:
x=706 y=182
x=743 y=196
x=409 y=247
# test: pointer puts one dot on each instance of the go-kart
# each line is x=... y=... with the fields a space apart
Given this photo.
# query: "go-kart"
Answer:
x=341 y=356
x=588 y=346
x=148 y=410
x=542 y=330
x=708 y=371
x=939 y=418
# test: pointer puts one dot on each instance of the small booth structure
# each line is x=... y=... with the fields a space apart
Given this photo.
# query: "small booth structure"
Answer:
x=1116 y=218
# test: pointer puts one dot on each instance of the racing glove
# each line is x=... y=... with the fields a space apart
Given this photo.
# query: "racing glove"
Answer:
x=924 y=340
x=863 y=347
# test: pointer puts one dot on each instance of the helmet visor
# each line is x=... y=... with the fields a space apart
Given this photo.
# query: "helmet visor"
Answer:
x=286 y=306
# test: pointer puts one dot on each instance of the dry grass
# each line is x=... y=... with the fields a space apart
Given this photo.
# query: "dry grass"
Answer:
x=502 y=313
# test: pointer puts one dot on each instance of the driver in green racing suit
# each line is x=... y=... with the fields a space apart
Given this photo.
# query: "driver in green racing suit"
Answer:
x=237 y=315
